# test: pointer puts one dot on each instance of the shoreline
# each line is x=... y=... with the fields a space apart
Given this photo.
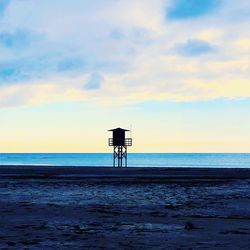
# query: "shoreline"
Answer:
x=148 y=174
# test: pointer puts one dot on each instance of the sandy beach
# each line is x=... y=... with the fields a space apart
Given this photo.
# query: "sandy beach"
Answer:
x=44 y=207
x=137 y=174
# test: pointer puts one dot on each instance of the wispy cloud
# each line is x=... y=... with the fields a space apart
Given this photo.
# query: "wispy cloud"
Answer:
x=18 y=39
x=130 y=46
x=94 y=82
x=195 y=47
x=70 y=64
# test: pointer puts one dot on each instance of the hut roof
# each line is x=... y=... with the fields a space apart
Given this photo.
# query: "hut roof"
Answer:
x=118 y=129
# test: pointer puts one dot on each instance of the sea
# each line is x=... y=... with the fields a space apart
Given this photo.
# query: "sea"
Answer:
x=196 y=160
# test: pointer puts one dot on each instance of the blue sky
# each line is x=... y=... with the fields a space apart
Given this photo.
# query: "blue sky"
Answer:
x=183 y=9
x=181 y=61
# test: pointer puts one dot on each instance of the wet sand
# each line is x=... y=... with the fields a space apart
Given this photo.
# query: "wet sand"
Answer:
x=106 y=208
x=137 y=174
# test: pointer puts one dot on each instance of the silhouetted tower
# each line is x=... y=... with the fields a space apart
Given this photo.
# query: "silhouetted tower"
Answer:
x=120 y=144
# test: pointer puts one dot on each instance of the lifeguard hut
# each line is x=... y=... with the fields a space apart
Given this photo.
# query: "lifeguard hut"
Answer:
x=120 y=144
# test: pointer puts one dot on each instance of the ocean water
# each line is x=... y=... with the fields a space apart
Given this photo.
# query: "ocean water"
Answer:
x=223 y=160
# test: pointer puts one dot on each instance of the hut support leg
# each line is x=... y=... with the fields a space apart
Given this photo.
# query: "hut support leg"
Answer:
x=120 y=152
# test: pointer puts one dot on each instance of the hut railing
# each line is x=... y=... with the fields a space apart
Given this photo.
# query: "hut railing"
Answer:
x=128 y=142
x=110 y=141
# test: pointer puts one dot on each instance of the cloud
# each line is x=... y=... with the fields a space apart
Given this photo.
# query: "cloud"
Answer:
x=195 y=47
x=16 y=71
x=116 y=34
x=17 y=39
x=141 y=54
x=94 y=82
x=70 y=64
x=183 y=9
x=7 y=74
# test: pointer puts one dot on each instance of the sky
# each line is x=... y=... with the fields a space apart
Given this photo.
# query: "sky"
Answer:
x=175 y=71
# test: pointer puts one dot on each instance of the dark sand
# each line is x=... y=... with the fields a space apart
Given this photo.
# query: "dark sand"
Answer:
x=133 y=174
x=133 y=208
